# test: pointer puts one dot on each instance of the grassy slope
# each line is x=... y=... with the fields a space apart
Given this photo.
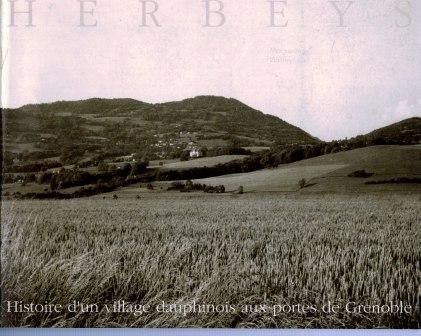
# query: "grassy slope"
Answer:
x=203 y=162
x=329 y=172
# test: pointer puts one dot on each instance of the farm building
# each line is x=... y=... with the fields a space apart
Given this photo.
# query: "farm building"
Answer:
x=194 y=150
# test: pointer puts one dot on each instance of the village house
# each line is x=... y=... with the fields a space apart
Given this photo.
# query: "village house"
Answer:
x=195 y=151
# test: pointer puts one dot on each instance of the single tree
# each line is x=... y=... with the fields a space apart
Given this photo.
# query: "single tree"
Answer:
x=302 y=183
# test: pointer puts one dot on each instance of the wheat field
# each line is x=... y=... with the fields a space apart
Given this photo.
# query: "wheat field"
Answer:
x=263 y=249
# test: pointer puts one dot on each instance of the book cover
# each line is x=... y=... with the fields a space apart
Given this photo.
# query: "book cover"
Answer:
x=211 y=164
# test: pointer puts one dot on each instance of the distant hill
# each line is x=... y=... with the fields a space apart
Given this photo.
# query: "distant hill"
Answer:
x=129 y=126
x=209 y=114
x=406 y=131
x=88 y=106
x=89 y=131
x=109 y=135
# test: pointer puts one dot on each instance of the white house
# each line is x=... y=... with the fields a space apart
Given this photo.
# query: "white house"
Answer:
x=196 y=152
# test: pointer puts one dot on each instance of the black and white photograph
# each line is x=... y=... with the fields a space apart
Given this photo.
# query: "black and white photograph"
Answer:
x=230 y=164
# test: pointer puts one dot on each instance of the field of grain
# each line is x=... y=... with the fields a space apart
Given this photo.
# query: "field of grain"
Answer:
x=211 y=249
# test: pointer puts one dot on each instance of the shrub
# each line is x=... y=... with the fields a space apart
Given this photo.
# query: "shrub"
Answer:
x=360 y=173
x=214 y=190
x=185 y=156
x=302 y=183
x=102 y=167
x=397 y=180
x=176 y=186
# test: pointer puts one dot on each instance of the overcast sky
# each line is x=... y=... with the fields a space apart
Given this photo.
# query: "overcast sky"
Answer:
x=336 y=69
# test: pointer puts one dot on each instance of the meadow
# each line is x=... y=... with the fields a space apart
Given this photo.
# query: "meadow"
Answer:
x=203 y=162
x=251 y=249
